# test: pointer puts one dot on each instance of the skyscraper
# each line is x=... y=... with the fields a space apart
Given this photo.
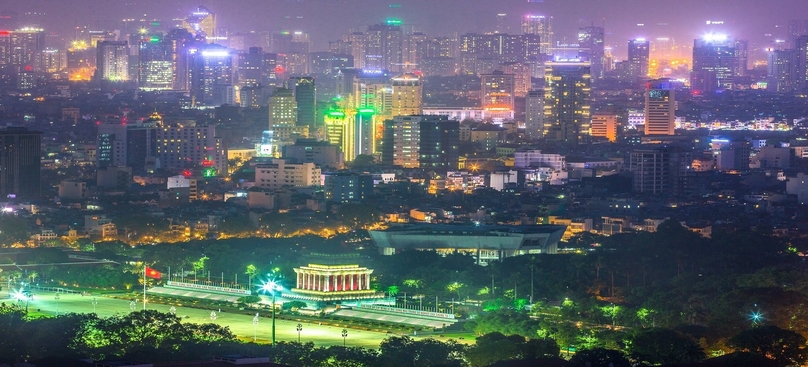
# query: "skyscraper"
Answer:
x=498 y=91
x=714 y=63
x=383 y=50
x=201 y=23
x=592 y=38
x=20 y=156
x=638 y=59
x=567 y=102
x=783 y=75
x=155 y=65
x=658 y=170
x=660 y=107
x=801 y=46
x=541 y=25
x=112 y=61
x=179 y=43
x=438 y=147
x=407 y=95
x=534 y=114
x=21 y=47
x=211 y=71
x=305 y=97
x=282 y=109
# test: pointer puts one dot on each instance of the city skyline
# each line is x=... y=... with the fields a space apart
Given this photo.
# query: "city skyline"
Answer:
x=683 y=21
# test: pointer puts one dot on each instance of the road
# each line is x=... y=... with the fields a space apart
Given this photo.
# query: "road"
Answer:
x=240 y=324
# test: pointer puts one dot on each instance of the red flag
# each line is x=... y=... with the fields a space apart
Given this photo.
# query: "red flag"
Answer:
x=151 y=273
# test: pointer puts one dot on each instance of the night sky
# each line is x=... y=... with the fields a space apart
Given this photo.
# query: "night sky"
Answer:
x=327 y=20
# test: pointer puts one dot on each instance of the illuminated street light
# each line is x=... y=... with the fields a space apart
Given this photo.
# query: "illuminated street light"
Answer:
x=272 y=287
x=344 y=336
x=95 y=302
x=299 y=328
x=56 y=297
x=756 y=317
x=255 y=327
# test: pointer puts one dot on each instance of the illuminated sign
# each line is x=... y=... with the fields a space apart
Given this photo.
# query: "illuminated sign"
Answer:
x=215 y=53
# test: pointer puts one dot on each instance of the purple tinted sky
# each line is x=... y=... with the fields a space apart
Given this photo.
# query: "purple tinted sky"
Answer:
x=328 y=19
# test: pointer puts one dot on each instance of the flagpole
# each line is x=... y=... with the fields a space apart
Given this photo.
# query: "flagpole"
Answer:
x=144 y=287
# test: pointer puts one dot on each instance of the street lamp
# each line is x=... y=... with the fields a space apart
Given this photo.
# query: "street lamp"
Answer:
x=272 y=287
x=95 y=302
x=56 y=297
x=213 y=316
x=255 y=327
x=344 y=336
x=299 y=328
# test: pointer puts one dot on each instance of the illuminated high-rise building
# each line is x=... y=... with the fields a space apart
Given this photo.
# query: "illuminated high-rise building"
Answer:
x=410 y=47
x=373 y=89
x=282 y=109
x=20 y=156
x=542 y=26
x=201 y=23
x=51 y=60
x=359 y=43
x=660 y=107
x=567 y=102
x=293 y=50
x=407 y=95
x=211 y=73
x=796 y=29
x=250 y=67
x=783 y=71
x=155 y=65
x=592 y=38
x=180 y=42
x=383 y=50
x=604 y=125
x=306 y=99
x=534 y=114
x=801 y=46
x=112 y=61
x=522 y=76
x=714 y=63
x=498 y=91
x=638 y=59
x=21 y=47
x=427 y=141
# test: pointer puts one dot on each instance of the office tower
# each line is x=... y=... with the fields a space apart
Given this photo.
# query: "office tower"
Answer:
x=796 y=29
x=567 y=102
x=186 y=145
x=498 y=91
x=592 y=38
x=306 y=99
x=660 y=107
x=783 y=71
x=201 y=23
x=155 y=65
x=801 y=46
x=296 y=60
x=439 y=142
x=604 y=125
x=542 y=26
x=359 y=43
x=125 y=144
x=113 y=61
x=250 y=67
x=742 y=57
x=340 y=131
x=383 y=47
x=659 y=170
x=429 y=141
x=407 y=95
x=501 y=25
x=638 y=59
x=328 y=63
x=714 y=63
x=282 y=109
x=364 y=132
x=21 y=47
x=51 y=60
x=410 y=46
x=373 y=89
x=211 y=73
x=347 y=187
x=20 y=156
x=179 y=44
x=534 y=114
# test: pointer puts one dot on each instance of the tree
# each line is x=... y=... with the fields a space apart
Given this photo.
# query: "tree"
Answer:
x=493 y=347
x=785 y=347
x=363 y=160
x=665 y=346
x=392 y=290
x=599 y=357
x=406 y=352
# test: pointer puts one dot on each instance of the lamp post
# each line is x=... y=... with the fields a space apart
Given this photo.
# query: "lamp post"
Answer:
x=344 y=336
x=299 y=328
x=272 y=287
x=95 y=302
x=255 y=327
x=56 y=297
x=132 y=306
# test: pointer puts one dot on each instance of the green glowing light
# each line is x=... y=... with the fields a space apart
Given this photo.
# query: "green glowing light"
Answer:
x=367 y=110
x=336 y=114
x=394 y=22
x=209 y=172
x=154 y=39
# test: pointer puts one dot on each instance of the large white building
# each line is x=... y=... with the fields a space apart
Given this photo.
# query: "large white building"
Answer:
x=279 y=174
x=113 y=61
x=535 y=158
